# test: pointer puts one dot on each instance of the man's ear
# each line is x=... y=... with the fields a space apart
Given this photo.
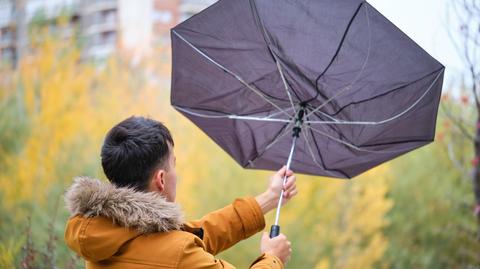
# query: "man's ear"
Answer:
x=159 y=180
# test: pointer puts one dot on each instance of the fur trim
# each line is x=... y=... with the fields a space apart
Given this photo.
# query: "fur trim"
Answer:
x=146 y=212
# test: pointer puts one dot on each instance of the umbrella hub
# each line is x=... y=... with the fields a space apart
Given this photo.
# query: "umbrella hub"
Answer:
x=299 y=121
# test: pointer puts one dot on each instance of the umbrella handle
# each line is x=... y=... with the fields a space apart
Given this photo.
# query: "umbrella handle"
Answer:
x=274 y=231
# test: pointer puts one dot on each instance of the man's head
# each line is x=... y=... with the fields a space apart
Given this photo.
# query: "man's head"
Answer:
x=138 y=153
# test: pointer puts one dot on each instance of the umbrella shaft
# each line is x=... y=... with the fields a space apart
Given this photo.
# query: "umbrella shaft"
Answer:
x=289 y=161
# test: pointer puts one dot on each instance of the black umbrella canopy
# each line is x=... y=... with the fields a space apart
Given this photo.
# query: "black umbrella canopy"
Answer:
x=244 y=70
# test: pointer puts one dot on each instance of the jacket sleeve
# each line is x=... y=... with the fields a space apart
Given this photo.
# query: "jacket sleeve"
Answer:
x=267 y=261
x=227 y=226
x=194 y=256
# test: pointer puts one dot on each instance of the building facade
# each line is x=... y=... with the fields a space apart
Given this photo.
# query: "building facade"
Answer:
x=104 y=26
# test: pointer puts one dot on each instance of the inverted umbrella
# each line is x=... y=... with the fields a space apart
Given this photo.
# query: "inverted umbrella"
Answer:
x=333 y=81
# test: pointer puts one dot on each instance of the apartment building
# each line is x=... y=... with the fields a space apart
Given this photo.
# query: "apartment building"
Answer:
x=104 y=26
x=99 y=27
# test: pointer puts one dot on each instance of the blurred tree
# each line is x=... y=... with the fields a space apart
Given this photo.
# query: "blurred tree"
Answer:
x=465 y=120
x=54 y=111
x=431 y=224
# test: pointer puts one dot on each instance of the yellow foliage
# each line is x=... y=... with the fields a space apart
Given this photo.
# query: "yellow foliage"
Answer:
x=7 y=253
x=323 y=264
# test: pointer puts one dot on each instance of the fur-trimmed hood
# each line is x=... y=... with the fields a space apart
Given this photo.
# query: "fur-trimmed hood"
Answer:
x=145 y=212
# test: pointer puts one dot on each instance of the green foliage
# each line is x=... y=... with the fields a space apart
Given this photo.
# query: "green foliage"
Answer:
x=432 y=225
x=13 y=123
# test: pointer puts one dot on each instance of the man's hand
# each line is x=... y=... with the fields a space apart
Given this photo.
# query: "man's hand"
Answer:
x=278 y=246
x=269 y=199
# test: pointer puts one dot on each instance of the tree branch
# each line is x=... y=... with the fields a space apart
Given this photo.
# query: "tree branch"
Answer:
x=457 y=122
x=456 y=163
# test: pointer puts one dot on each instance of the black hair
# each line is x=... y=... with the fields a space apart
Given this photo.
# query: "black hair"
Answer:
x=133 y=149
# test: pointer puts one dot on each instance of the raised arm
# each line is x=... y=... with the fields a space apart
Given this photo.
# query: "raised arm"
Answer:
x=223 y=228
x=244 y=217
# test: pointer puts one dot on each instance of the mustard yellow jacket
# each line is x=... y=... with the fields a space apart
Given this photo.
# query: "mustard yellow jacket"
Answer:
x=115 y=227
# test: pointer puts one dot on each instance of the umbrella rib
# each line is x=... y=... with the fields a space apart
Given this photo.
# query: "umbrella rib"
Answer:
x=324 y=114
x=321 y=157
x=268 y=43
x=349 y=86
x=277 y=113
x=336 y=53
x=235 y=117
x=352 y=145
x=341 y=122
x=285 y=83
x=282 y=133
x=310 y=149
x=258 y=119
x=389 y=91
x=252 y=88
x=288 y=127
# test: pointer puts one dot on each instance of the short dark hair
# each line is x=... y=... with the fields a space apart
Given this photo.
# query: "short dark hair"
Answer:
x=133 y=150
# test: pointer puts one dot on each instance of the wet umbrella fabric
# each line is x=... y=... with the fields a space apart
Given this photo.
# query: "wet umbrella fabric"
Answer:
x=350 y=87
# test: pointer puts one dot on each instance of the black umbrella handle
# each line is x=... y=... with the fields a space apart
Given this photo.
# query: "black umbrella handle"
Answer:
x=274 y=231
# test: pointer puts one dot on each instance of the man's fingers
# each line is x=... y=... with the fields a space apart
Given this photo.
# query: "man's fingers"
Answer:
x=282 y=171
x=293 y=193
x=289 y=191
x=290 y=194
x=290 y=188
x=290 y=182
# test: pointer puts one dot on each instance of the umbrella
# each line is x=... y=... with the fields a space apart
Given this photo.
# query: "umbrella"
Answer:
x=333 y=87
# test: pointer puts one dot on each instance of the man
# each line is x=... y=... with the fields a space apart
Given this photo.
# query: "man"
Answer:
x=133 y=222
